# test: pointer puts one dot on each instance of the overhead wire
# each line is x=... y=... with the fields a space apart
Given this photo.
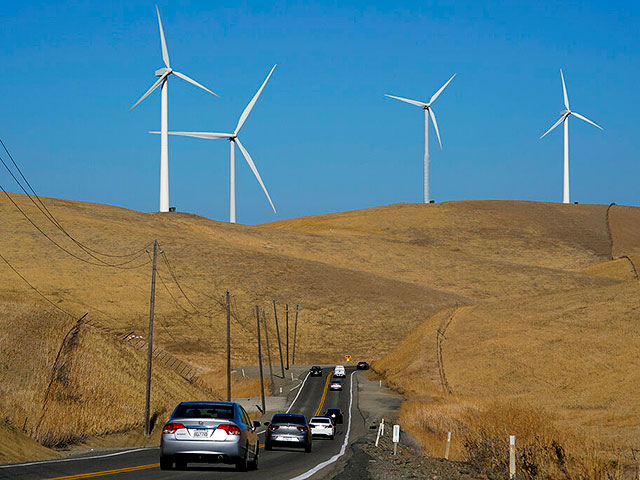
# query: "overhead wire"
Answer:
x=49 y=216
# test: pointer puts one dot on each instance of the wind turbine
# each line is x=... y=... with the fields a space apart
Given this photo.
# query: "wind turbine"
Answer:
x=164 y=73
x=233 y=140
x=428 y=112
x=564 y=117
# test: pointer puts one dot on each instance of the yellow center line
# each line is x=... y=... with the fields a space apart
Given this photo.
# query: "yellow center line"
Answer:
x=324 y=395
x=107 y=472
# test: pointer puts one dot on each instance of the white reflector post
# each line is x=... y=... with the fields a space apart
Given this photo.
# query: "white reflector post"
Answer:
x=396 y=438
x=512 y=457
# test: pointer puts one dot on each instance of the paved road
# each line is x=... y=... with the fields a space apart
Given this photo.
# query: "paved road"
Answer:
x=276 y=464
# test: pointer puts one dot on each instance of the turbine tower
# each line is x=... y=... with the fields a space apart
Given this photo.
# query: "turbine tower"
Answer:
x=564 y=117
x=233 y=141
x=164 y=73
x=428 y=112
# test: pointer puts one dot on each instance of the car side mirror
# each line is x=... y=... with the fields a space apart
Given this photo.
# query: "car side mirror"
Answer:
x=256 y=424
x=266 y=424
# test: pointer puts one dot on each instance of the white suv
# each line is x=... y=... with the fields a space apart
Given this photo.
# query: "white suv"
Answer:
x=339 y=371
x=322 y=426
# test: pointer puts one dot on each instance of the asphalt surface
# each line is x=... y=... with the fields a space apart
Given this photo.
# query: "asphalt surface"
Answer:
x=280 y=463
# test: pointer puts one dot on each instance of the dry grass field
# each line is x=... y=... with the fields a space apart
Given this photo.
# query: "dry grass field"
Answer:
x=538 y=311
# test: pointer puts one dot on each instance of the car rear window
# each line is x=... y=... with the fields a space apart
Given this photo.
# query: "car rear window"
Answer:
x=320 y=420
x=224 y=412
x=297 y=419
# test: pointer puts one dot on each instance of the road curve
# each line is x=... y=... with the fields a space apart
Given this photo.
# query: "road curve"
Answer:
x=280 y=463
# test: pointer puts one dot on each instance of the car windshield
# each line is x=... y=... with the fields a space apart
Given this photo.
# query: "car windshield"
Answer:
x=204 y=410
x=284 y=418
x=316 y=368
x=320 y=420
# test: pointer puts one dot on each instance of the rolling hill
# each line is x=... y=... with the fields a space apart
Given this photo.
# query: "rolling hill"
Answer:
x=365 y=280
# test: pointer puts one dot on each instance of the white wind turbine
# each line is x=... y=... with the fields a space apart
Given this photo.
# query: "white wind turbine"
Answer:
x=164 y=73
x=428 y=112
x=233 y=140
x=564 y=117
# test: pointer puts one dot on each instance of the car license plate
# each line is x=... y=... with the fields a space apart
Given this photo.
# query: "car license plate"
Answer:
x=201 y=433
x=286 y=439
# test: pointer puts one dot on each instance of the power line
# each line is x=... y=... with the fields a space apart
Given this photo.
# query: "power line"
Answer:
x=47 y=213
x=34 y=288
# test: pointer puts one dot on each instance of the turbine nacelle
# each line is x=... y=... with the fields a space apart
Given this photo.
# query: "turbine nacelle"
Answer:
x=163 y=71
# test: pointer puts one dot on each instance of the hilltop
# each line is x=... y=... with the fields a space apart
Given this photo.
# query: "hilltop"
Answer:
x=365 y=280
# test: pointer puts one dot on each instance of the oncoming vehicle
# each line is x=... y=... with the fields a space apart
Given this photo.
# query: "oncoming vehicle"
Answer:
x=315 y=371
x=322 y=426
x=288 y=430
x=339 y=371
x=335 y=385
x=334 y=414
x=209 y=432
x=362 y=366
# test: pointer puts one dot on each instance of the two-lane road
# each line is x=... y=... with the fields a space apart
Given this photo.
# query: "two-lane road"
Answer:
x=280 y=463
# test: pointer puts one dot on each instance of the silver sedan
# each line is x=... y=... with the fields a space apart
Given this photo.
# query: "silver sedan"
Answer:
x=209 y=432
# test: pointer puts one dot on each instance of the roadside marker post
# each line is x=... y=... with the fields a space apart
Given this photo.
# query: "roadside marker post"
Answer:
x=512 y=457
x=446 y=452
x=378 y=435
x=396 y=439
x=382 y=428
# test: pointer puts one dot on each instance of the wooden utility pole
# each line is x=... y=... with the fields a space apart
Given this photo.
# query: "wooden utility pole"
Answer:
x=266 y=336
x=275 y=315
x=295 y=334
x=286 y=317
x=228 y=347
x=264 y=409
x=147 y=405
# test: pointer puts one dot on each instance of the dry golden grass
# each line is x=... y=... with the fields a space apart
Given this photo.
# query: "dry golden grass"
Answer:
x=397 y=269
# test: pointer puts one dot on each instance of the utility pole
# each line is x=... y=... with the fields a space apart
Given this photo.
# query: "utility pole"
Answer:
x=266 y=336
x=228 y=347
x=286 y=316
x=295 y=334
x=147 y=406
x=264 y=408
x=275 y=314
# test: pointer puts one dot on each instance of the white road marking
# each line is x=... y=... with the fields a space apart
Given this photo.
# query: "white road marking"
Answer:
x=301 y=387
x=75 y=459
x=333 y=459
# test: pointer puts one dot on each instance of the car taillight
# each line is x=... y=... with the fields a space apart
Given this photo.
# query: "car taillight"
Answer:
x=303 y=429
x=172 y=427
x=273 y=427
x=230 y=429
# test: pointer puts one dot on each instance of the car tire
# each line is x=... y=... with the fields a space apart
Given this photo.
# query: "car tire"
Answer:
x=253 y=464
x=267 y=445
x=307 y=448
x=181 y=465
x=332 y=436
x=166 y=463
x=242 y=464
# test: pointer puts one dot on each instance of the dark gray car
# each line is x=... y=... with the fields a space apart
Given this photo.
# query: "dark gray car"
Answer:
x=288 y=430
x=209 y=432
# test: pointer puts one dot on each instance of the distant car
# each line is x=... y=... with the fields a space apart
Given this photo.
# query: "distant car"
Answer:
x=362 y=366
x=209 y=432
x=339 y=371
x=334 y=414
x=335 y=385
x=315 y=371
x=288 y=430
x=322 y=426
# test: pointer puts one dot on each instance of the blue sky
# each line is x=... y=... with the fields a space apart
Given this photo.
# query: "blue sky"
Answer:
x=323 y=136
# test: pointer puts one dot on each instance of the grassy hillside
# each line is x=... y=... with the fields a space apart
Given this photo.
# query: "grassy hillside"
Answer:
x=394 y=266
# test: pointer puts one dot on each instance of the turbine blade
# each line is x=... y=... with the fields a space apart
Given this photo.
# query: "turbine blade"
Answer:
x=435 y=126
x=586 y=120
x=406 y=100
x=437 y=94
x=193 y=82
x=564 y=91
x=153 y=87
x=249 y=107
x=163 y=42
x=207 y=135
x=253 y=168
x=555 y=125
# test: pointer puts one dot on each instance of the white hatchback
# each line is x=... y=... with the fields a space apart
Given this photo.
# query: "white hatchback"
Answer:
x=322 y=426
